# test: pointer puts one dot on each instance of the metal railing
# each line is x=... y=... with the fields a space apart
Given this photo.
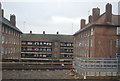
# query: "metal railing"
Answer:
x=84 y=65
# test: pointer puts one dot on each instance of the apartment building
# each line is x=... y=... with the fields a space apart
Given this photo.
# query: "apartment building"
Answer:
x=0 y=37
x=10 y=37
x=47 y=46
x=97 y=45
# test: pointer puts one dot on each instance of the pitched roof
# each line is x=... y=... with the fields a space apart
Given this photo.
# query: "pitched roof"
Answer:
x=7 y=22
x=101 y=21
x=47 y=37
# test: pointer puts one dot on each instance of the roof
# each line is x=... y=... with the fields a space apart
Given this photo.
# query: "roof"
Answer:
x=7 y=22
x=47 y=37
x=101 y=22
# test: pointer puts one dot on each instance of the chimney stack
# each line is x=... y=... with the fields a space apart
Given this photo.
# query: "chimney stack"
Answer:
x=108 y=12
x=43 y=32
x=0 y=6
x=57 y=32
x=95 y=14
x=2 y=13
x=0 y=10
x=30 y=32
x=13 y=20
x=90 y=19
x=82 y=23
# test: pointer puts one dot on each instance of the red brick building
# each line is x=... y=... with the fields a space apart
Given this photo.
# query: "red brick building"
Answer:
x=96 y=43
x=10 y=37
x=47 y=46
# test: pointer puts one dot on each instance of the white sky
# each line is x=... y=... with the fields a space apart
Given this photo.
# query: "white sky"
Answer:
x=53 y=15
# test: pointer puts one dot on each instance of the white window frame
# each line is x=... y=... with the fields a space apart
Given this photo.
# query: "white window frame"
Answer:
x=118 y=30
x=92 y=31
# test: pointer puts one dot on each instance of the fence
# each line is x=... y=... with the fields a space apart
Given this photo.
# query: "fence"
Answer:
x=97 y=66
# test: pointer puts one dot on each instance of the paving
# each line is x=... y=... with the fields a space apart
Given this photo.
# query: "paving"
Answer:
x=36 y=74
x=41 y=75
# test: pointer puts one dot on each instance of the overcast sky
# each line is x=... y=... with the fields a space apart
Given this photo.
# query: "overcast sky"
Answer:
x=53 y=15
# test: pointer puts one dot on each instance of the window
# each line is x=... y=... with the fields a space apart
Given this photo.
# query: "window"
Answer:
x=55 y=55
x=114 y=73
x=40 y=49
x=50 y=43
x=6 y=50
x=7 y=40
x=67 y=50
x=48 y=49
x=68 y=44
x=90 y=73
x=23 y=49
x=118 y=30
x=87 y=43
x=44 y=55
x=47 y=43
x=36 y=49
x=65 y=44
x=3 y=39
x=36 y=43
x=23 y=54
x=108 y=73
x=44 y=49
x=44 y=43
x=66 y=55
x=41 y=43
x=9 y=31
x=40 y=55
x=14 y=50
x=118 y=54
x=91 y=31
x=2 y=50
x=29 y=49
x=91 y=44
x=48 y=54
x=33 y=49
x=117 y=42
x=29 y=43
x=61 y=44
x=9 y=50
x=62 y=50
x=23 y=43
